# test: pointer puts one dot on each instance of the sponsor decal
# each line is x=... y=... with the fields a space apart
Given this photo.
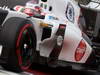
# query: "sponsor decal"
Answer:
x=18 y=8
x=80 y=51
x=59 y=42
x=53 y=18
x=70 y=13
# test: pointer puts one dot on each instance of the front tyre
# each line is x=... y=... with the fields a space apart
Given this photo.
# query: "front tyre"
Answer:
x=26 y=45
x=20 y=45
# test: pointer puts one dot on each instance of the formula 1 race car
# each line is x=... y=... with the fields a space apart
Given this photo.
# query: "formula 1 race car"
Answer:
x=57 y=33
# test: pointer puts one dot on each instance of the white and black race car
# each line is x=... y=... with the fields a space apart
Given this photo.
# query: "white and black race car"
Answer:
x=58 y=33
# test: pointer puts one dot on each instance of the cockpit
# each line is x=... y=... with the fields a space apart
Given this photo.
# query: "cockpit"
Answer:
x=91 y=13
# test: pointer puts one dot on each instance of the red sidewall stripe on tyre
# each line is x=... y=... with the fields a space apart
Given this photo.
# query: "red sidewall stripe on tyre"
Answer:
x=18 y=43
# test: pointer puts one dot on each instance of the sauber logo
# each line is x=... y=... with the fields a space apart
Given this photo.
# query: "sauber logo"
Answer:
x=70 y=12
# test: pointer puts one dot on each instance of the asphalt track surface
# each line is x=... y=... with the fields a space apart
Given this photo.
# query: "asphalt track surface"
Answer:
x=39 y=69
x=12 y=3
x=44 y=70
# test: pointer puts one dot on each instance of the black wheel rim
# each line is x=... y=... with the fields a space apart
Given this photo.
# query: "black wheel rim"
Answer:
x=26 y=48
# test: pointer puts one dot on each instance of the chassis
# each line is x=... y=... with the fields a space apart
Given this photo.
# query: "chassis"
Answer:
x=46 y=33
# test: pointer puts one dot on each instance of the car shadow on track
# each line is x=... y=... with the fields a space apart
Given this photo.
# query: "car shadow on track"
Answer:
x=44 y=70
